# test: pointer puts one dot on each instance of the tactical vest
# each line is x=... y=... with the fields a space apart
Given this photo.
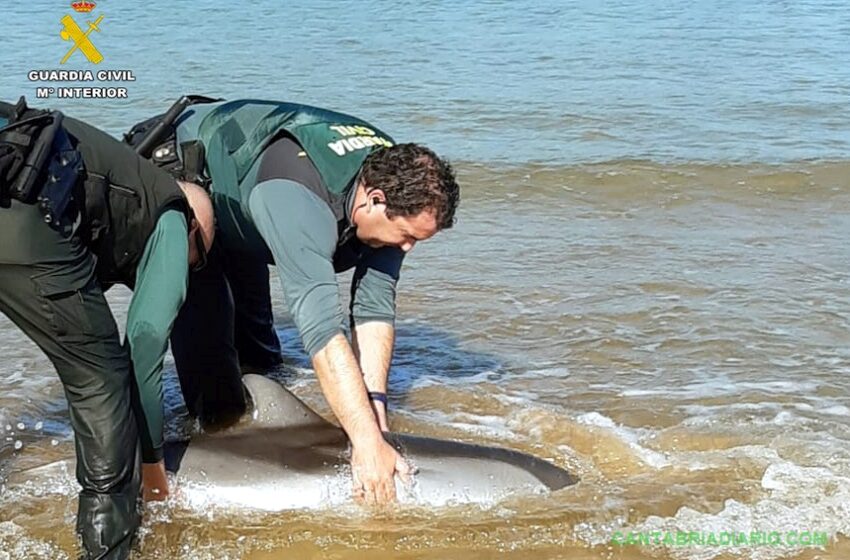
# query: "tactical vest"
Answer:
x=235 y=134
x=120 y=198
x=38 y=164
x=124 y=199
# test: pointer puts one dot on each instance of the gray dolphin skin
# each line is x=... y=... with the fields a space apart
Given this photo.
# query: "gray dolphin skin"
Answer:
x=284 y=456
x=289 y=457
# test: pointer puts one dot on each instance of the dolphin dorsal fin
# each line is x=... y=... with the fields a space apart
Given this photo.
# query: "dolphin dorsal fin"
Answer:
x=276 y=407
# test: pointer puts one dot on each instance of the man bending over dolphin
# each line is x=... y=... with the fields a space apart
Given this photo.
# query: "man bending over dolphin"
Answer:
x=314 y=192
x=79 y=212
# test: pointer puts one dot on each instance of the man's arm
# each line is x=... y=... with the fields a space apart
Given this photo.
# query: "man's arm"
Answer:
x=161 y=279
x=300 y=231
x=373 y=346
x=373 y=314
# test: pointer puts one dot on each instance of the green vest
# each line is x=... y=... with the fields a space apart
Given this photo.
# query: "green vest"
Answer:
x=235 y=133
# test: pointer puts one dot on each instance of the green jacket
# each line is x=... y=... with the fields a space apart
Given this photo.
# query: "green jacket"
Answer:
x=304 y=229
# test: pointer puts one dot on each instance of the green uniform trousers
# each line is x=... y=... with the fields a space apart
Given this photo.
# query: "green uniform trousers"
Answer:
x=48 y=288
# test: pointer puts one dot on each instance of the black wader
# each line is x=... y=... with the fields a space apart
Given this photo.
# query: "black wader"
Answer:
x=48 y=288
x=51 y=277
x=226 y=321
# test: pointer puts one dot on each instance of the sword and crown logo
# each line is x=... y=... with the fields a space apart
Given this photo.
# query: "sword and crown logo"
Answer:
x=79 y=38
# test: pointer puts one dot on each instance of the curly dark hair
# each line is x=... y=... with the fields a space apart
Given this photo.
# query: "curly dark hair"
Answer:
x=414 y=179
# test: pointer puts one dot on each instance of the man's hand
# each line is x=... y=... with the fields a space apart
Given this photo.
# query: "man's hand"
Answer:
x=373 y=460
x=154 y=481
x=374 y=466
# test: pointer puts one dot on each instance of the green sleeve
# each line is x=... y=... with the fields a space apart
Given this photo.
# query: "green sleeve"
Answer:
x=373 y=286
x=300 y=231
x=161 y=279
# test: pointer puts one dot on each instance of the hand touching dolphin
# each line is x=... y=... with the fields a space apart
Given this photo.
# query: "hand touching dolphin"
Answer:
x=285 y=456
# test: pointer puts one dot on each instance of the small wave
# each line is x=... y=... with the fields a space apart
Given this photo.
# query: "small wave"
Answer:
x=52 y=478
x=723 y=385
x=15 y=543
x=629 y=435
x=635 y=182
x=798 y=499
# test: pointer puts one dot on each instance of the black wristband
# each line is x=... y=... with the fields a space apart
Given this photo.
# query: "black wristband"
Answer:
x=378 y=396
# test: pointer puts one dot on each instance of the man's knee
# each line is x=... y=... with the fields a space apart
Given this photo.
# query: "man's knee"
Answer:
x=108 y=459
x=108 y=475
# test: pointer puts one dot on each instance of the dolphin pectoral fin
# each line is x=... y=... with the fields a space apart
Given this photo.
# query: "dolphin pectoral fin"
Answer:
x=275 y=407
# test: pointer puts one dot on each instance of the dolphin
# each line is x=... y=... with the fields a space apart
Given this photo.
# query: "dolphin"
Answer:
x=285 y=456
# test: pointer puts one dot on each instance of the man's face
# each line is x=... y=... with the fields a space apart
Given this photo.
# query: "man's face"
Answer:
x=376 y=230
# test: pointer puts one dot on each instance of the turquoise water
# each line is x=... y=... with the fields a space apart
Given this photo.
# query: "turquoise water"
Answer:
x=511 y=82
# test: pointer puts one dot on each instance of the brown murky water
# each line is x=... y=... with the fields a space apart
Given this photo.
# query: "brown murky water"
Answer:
x=678 y=335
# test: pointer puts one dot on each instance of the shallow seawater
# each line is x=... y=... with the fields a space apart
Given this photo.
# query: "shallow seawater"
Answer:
x=647 y=283
x=676 y=335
